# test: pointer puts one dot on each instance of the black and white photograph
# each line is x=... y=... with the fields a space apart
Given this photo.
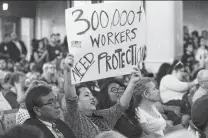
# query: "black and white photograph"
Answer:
x=103 y=69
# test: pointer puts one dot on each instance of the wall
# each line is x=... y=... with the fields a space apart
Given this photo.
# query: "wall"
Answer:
x=19 y=8
x=50 y=18
x=164 y=29
x=27 y=34
x=1 y=30
x=196 y=15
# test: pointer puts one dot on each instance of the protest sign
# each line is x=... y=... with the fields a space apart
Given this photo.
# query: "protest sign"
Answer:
x=106 y=39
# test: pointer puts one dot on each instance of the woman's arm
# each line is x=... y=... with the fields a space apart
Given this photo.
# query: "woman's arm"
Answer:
x=112 y=114
x=69 y=89
x=177 y=85
x=127 y=95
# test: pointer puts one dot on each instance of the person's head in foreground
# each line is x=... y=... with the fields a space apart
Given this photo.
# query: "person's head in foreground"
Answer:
x=199 y=114
x=23 y=131
x=146 y=91
x=110 y=134
x=202 y=77
x=42 y=103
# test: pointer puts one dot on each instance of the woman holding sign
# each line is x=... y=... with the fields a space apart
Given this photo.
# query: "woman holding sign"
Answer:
x=128 y=125
x=82 y=116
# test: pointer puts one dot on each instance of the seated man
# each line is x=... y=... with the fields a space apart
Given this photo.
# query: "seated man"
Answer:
x=199 y=115
x=203 y=82
x=23 y=131
x=44 y=110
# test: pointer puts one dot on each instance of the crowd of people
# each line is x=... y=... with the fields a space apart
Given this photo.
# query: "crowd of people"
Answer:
x=137 y=105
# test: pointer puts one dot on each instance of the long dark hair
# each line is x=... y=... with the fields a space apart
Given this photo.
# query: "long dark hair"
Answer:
x=176 y=65
x=163 y=70
x=104 y=99
x=105 y=102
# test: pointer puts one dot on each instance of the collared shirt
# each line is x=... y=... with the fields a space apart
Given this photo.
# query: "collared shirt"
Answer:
x=199 y=93
x=4 y=104
x=49 y=126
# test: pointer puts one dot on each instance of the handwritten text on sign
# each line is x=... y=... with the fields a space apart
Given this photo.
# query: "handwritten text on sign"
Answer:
x=106 y=39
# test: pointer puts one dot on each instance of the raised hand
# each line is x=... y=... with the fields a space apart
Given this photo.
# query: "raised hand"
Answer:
x=136 y=74
x=68 y=61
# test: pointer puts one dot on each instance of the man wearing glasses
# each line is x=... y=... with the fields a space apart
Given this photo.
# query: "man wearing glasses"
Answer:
x=203 y=82
x=49 y=74
x=44 y=110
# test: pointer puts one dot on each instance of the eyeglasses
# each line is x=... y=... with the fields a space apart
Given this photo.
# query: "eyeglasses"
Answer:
x=117 y=91
x=51 y=103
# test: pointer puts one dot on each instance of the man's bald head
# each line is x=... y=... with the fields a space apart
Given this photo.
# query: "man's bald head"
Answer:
x=202 y=77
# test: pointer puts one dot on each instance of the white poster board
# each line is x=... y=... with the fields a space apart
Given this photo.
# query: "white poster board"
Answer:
x=106 y=39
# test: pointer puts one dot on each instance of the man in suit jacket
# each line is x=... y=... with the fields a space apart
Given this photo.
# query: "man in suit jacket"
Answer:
x=4 y=48
x=44 y=111
x=17 y=49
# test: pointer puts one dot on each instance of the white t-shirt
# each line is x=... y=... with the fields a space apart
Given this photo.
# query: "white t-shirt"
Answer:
x=4 y=105
x=171 y=88
x=156 y=125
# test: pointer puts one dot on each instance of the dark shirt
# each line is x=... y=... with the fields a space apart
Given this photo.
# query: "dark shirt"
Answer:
x=4 y=50
x=188 y=59
x=54 y=52
x=14 y=52
x=11 y=97
x=128 y=127
x=60 y=125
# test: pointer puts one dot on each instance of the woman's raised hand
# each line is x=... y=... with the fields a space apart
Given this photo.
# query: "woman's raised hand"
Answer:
x=136 y=74
x=68 y=61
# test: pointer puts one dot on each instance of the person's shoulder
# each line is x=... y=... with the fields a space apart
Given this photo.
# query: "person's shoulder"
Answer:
x=30 y=121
